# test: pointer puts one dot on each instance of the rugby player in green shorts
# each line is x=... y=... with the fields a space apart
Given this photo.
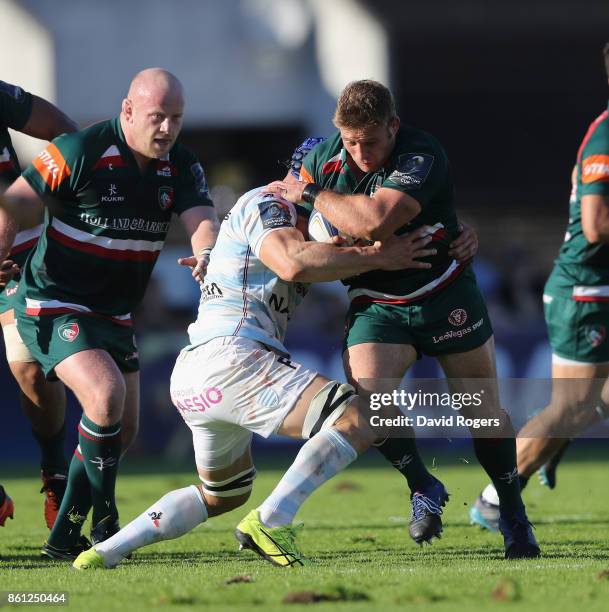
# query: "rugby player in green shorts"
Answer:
x=371 y=179
x=110 y=191
x=42 y=401
x=576 y=307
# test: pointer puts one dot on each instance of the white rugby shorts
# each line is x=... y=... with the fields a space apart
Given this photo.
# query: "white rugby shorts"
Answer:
x=229 y=388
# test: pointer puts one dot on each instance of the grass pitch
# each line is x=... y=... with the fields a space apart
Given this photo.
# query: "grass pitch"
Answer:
x=356 y=531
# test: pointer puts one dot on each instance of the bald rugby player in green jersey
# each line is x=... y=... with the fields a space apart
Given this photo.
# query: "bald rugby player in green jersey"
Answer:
x=112 y=189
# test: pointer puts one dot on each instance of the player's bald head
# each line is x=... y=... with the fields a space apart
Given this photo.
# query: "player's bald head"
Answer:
x=155 y=84
x=152 y=112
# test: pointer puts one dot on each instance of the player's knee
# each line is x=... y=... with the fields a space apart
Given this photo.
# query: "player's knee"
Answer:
x=227 y=494
x=221 y=505
x=105 y=401
x=29 y=376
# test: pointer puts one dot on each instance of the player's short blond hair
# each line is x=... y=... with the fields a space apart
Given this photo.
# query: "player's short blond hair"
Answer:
x=362 y=104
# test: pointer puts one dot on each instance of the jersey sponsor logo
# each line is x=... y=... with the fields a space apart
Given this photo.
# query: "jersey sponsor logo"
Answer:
x=113 y=195
x=211 y=291
x=11 y=90
x=596 y=335
x=274 y=214
x=166 y=197
x=10 y=291
x=68 y=331
x=200 y=180
x=201 y=402
x=126 y=223
x=52 y=167
x=452 y=334
x=165 y=168
x=305 y=175
x=412 y=170
x=277 y=303
x=457 y=317
x=595 y=168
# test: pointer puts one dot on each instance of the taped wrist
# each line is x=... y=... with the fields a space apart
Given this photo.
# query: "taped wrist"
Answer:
x=310 y=193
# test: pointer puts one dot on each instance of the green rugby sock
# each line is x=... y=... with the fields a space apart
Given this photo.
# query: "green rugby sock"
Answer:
x=498 y=458
x=101 y=451
x=75 y=506
x=53 y=459
x=404 y=456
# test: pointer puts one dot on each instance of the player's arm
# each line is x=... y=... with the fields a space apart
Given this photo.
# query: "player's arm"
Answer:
x=46 y=121
x=19 y=205
x=202 y=226
x=595 y=217
x=372 y=218
x=293 y=259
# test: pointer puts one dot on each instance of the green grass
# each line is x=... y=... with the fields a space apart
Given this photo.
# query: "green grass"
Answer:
x=356 y=530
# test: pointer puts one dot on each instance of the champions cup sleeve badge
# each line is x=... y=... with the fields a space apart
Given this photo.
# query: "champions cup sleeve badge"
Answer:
x=166 y=197
x=68 y=331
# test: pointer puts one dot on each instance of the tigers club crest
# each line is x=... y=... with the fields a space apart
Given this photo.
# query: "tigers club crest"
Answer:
x=596 y=335
x=166 y=197
x=457 y=317
x=68 y=331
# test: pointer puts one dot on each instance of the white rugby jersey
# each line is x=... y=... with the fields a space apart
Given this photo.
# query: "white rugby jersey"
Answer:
x=241 y=296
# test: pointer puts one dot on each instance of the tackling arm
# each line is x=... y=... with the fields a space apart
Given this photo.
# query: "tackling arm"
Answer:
x=359 y=215
x=292 y=259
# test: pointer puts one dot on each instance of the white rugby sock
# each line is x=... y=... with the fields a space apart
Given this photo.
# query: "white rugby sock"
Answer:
x=490 y=495
x=172 y=516
x=320 y=458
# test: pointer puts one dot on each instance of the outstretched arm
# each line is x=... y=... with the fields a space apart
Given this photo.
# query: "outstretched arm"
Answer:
x=293 y=259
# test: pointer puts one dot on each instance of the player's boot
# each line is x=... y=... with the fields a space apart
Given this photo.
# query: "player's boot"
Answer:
x=104 y=530
x=547 y=472
x=275 y=544
x=65 y=554
x=7 y=508
x=89 y=559
x=485 y=514
x=518 y=538
x=426 y=511
x=54 y=488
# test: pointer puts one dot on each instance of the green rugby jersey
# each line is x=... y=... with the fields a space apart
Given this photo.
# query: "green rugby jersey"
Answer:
x=419 y=167
x=107 y=225
x=582 y=268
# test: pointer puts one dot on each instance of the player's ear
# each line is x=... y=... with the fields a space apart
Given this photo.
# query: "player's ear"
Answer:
x=394 y=125
x=127 y=109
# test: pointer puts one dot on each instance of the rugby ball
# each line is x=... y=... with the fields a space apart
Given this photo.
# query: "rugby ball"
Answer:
x=321 y=230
